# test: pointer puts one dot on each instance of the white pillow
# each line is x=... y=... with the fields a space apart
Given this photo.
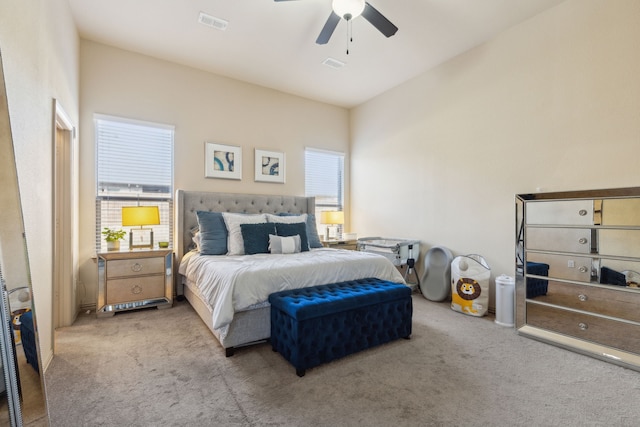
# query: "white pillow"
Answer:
x=287 y=219
x=284 y=245
x=235 y=243
x=196 y=239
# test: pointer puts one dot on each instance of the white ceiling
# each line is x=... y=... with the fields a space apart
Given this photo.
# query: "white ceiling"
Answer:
x=272 y=43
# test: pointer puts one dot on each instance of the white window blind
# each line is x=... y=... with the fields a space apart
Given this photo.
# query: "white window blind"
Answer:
x=134 y=167
x=324 y=180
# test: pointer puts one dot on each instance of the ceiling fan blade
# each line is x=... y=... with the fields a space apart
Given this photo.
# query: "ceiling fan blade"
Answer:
x=328 y=28
x=378 y=20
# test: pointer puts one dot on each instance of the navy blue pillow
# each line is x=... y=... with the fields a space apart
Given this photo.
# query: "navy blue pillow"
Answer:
x=213 y=233
x=312 y=230
x=256 y=237
x=299 y=228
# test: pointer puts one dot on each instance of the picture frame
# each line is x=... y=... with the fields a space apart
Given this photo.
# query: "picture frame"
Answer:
x=222 y=161
x=270 y=166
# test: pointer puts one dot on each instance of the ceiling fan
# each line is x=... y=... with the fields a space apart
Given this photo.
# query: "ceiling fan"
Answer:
x=349 y=10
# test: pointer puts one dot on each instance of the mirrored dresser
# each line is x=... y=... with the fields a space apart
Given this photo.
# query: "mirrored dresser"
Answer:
x=578 y=271
x=130 y=280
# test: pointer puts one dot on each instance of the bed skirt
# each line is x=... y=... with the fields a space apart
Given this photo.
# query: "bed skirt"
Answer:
x=248 y=327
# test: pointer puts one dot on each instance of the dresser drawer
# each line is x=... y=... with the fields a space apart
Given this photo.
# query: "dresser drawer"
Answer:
x=135 y=289
x=563 y=212
x=135 y=267
x=564 y=266
x=609 y=302
x=577 y=240
x=605 y=242
x=612 y=333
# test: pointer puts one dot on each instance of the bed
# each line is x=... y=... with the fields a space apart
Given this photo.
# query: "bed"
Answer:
x=238 y=313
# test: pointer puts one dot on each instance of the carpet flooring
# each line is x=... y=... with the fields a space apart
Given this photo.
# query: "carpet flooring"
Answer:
x=164 y=368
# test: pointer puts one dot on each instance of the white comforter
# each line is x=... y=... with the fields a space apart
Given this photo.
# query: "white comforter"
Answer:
x=234 y=283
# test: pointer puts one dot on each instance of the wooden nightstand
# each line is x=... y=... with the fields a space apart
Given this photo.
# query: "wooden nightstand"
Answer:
x=134 y=279
x=351 y=245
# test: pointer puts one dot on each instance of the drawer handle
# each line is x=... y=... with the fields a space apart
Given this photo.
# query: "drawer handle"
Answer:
x=582 y=297
x=136 y=289
x=583 y=269
x=137 y=267
x=582 y=212
x=583 y=326
x=583 y=240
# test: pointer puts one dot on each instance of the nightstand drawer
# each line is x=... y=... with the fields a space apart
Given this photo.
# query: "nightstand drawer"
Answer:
x=135 y=267
x=141 y=288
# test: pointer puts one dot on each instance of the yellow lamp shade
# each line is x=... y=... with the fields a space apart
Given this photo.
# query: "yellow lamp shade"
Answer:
x=332 y=217
x=140 y=215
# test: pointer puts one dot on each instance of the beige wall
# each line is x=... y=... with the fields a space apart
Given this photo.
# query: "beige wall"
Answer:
x=203 y=107
x=39 y=46
x=551 y=104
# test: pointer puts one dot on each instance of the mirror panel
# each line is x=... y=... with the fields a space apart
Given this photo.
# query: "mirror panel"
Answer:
x=621 y=212
x=22 y=400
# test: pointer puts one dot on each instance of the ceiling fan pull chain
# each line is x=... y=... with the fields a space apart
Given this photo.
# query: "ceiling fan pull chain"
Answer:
x=348 y=26
x=349 y=34
x=351 y=31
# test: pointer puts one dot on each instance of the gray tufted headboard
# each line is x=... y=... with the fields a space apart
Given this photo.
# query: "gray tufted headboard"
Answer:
x=188 y=202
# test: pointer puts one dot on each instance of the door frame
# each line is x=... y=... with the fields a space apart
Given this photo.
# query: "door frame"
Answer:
x=65 y=229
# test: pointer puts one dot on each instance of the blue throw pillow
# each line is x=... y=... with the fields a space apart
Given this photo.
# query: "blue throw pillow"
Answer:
x=312 y=230
x=298 y=228
x=213 y=233
x=256 y=237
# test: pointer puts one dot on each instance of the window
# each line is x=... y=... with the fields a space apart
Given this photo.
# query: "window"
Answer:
x=134 y=167
x=324 y=179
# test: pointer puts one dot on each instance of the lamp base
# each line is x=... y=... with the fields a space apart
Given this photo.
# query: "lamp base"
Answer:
x=141 y=238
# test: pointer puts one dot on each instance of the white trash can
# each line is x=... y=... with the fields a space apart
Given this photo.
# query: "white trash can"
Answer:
x=505 y=300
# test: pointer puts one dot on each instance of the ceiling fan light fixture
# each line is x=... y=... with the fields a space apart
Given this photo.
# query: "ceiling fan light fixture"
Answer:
x=348 y=9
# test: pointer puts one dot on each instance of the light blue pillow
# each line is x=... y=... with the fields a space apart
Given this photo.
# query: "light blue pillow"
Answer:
x=312 y=232
x=311 y=229
x=213 y=233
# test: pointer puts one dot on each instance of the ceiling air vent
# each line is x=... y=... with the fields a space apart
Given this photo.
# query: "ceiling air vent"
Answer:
x=333 y=63
x=212 y=21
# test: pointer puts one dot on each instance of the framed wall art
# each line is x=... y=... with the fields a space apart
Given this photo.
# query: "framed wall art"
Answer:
x=222 y=161
x=270 y=166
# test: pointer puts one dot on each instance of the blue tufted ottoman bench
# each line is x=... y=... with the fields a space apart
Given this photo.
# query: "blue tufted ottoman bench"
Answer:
x=315 y=325
x=28 y=338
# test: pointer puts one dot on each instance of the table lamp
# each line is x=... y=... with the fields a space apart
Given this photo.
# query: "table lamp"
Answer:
x=331 y=218
x=134 y=216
